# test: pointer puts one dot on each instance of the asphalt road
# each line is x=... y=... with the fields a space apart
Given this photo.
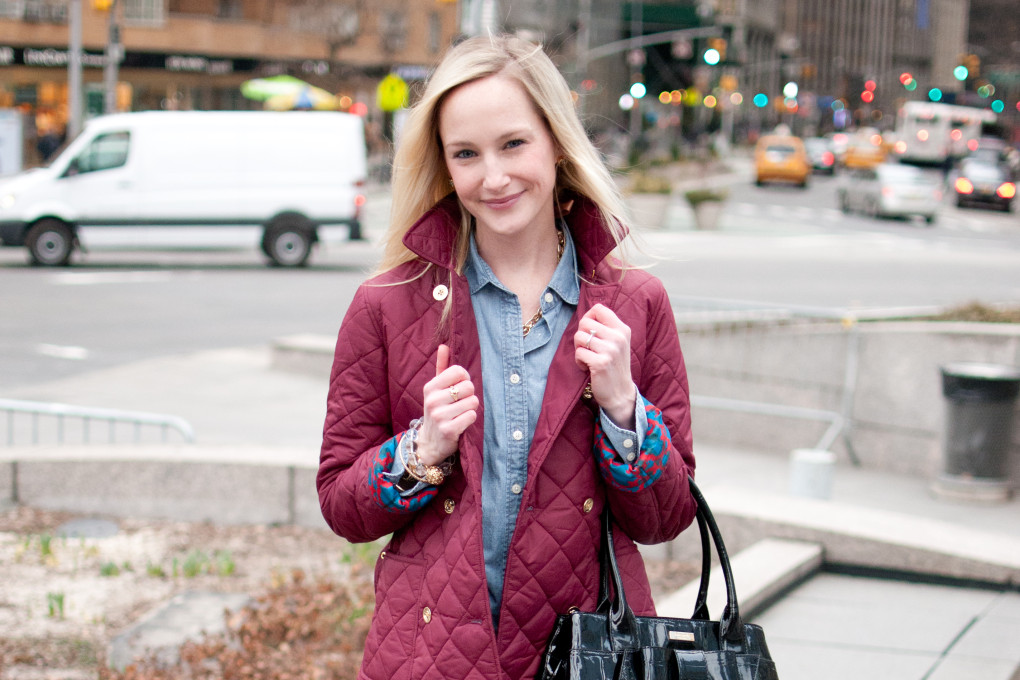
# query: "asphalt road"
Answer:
x=777 y=247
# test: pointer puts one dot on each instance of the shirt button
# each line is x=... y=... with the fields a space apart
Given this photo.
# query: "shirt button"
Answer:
x=631 y=457
x=426 y=615
x=588 y=505
x=516 y=488
x=518 y=435
x=628 y=443
x=449 y=504
x=548 y=297
x=440 y=292
x=514 y=378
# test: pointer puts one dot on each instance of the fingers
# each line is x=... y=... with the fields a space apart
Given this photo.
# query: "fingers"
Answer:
x=600 y=331
x=450 y=408
x=442 y=358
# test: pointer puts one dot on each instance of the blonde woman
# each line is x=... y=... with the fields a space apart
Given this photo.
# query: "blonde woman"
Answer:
x=501 y=380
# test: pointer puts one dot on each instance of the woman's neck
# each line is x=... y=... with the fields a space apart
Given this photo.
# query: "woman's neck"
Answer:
x=524 y=264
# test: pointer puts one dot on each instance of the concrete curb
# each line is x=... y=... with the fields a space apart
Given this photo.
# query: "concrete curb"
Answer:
x=241 y=485
x=761 y=573
x=225 y=485
x=869 y=538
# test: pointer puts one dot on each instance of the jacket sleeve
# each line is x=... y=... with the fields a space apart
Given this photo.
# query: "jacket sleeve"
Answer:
x=358 y=500
x=661 y=507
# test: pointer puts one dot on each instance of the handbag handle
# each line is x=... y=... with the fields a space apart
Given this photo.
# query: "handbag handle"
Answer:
x=701 y=602
x=621 y=621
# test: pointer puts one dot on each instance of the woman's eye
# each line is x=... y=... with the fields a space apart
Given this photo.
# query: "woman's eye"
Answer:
x=464 y=153
x=513 y=143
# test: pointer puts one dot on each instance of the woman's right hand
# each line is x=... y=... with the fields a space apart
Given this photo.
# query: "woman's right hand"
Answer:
x=451 y=406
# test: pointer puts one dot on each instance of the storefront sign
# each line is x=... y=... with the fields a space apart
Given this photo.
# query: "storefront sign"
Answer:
x=52 y=57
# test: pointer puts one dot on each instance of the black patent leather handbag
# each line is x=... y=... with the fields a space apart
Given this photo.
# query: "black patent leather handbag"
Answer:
x=612 y=643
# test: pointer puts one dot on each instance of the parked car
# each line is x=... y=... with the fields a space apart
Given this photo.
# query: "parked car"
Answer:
x=980 y=183
x=865 y=149
x=821 y=155
x=278 y=180
x=890 y=190
x=840 y=141
x=781 y=158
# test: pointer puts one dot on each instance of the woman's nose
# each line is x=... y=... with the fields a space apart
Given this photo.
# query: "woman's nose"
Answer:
x=496 y=176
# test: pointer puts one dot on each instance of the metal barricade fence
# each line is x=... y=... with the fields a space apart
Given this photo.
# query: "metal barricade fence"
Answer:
x=76 y=422
x=692 y=312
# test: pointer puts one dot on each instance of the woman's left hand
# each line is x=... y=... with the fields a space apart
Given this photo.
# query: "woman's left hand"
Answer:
x=602 y=346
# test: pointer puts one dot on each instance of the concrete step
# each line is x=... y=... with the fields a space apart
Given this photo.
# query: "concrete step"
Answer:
x=761 y=573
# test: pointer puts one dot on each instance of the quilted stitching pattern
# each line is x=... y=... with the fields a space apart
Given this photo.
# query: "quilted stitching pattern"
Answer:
x=385 y=353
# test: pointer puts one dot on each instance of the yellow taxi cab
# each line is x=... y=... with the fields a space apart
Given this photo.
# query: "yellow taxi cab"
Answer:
x=781 y=158
x=866 y=149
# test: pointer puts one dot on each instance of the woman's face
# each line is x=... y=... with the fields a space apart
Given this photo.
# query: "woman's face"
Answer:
x=501 y=156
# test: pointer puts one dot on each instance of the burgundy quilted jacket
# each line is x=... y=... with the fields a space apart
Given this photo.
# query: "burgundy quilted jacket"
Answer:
x=432 y=616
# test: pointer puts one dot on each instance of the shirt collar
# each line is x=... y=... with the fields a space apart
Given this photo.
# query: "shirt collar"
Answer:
x=564 y=280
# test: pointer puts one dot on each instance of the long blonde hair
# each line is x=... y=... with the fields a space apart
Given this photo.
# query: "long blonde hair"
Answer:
x=420 y=177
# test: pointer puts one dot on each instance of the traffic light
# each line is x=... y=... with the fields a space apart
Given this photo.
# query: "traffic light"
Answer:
x=973 y=64
x=719 y=45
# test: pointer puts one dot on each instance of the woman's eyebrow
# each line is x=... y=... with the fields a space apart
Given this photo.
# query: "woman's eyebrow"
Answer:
x=510 y=134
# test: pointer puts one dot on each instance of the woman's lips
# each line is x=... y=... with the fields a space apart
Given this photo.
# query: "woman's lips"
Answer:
x=502 y=203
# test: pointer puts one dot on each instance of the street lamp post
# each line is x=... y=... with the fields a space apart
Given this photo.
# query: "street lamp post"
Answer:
x=74 y=78
x=114 y=55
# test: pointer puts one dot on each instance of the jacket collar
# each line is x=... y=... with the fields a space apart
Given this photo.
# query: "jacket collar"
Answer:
x=433 y=236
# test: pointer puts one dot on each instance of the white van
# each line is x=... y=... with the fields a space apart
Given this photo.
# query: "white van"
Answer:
x=193 y=179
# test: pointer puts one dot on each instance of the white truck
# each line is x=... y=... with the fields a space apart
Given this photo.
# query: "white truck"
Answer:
x=193 y=179
x=933 y=133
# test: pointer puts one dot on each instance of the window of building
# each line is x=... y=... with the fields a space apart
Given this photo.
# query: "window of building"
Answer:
x=12 y=9
x=144 y=12
x=230 y=9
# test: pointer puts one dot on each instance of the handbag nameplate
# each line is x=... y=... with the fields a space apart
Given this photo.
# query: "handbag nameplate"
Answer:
x=681 y=636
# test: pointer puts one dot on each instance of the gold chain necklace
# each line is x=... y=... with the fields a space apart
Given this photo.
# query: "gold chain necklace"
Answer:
x=562 y=241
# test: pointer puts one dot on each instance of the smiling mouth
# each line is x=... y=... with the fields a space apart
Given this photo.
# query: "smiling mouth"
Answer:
x=500 y=203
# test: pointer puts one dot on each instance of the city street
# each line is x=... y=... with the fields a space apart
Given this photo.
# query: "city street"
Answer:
x=777 y=247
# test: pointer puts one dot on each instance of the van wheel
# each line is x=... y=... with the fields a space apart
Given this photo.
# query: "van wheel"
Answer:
x=288 y=243
x=50 y=243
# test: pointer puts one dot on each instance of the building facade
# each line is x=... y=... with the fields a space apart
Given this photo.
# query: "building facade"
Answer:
x=194 y=54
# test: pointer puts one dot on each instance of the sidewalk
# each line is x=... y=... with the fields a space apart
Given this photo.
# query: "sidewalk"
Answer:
x=248 y=413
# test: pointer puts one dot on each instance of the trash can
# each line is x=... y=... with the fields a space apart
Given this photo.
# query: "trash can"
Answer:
x=980 y=402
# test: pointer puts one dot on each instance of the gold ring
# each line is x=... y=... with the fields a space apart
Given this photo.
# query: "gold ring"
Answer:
x=591 y=334
x=455 y=393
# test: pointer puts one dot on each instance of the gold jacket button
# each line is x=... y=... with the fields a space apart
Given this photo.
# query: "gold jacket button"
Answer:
x=588 y=505
x=440 y=292
x=449 y=504
x=426 y=614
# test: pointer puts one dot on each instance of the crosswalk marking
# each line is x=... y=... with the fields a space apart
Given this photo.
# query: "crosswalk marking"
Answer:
x=820 y=216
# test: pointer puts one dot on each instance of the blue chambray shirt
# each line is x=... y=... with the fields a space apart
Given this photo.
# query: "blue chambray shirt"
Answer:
x=514 y=371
